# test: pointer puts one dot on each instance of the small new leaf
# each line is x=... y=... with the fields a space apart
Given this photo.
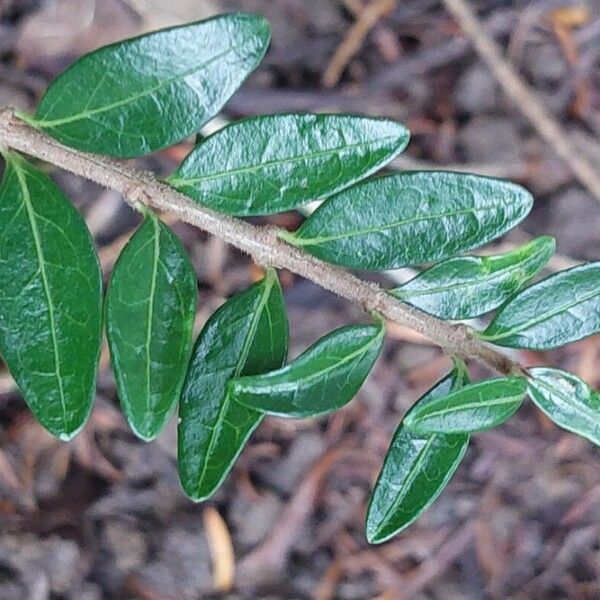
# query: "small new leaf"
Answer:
x=322 y=379
x=150 y=310
x=476 y=407
x=466 y=287
x=137 y=96
x=567 y=400
x=410 y=219
x=275 y=163
x=560 y=309
x=415 y=471
x=248 y=334
x=50 y=299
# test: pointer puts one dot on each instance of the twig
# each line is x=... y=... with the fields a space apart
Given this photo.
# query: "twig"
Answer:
x=439 y=564
x=261 y=242
x=269 y=559
x=518 y=91
x=367 y=19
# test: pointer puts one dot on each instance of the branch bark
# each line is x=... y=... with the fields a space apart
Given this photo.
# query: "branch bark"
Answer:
x=260 y=242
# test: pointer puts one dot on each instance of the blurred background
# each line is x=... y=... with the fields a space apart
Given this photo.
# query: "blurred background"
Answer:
x=104 y=516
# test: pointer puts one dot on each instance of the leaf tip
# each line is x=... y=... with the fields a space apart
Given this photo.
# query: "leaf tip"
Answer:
x=373 y=537
x=402 y=134
x=194 y=496
x=196 y=491
x=262 y=30
x=410 y=421
x=547 y=240
x=147 y=435
x=67 y=435
x=375 y=530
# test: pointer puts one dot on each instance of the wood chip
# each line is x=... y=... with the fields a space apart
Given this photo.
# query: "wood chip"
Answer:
x=221 y=549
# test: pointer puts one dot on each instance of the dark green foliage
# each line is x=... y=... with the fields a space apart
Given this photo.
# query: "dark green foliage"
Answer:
x=567 y=400
x=247 y=335
x=416 y=469
x=556 y=311
x=322 y=379
x=50 y=298
x=411 y=219
x=474 y=407
x=150 y=310
x=141 y=95
x=271 y=164
x=469 y=286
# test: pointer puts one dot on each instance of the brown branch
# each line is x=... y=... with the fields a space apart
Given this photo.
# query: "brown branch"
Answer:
x=262 y=243
x=522 y=96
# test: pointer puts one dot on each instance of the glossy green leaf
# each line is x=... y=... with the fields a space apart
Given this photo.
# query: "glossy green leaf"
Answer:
x=50 y=299
x=567 y=400
x=137 y=96
x=469 y=286
x=415 y=471
x=275 y=163
x=247 y=334
x=322 y=379
x=150 y=310
x=562 y=308
x=410 y=219
x=475 y=407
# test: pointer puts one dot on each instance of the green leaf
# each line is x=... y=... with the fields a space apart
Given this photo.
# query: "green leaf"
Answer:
x=562 y=308
x=322 y=379
x=475 y=407
x=567 y=400
x=150 y=310
x=50 y=299
x=137 y=96
x=247 y=334
x=275 y=163
x=410 y=219
x=466 y=287
x=415 y=471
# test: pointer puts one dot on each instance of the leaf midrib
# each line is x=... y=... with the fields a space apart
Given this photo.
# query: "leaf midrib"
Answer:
x=188 y=182
x=149 y=328
x=317 y=374
x=588 y=413
x=463 y=407
x=519 y=328
x=299 y=241
x=502 y=272
x=44 y=123
x=240 y=365
x=408 y=481
x=45 y=284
